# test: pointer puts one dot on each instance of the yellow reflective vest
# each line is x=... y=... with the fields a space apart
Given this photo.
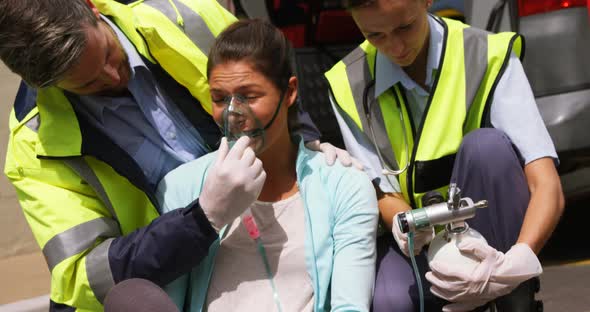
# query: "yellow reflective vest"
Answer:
x=472 y=62
x=77 y=204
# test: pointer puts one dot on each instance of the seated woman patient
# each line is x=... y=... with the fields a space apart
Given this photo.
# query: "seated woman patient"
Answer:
x=306 y=240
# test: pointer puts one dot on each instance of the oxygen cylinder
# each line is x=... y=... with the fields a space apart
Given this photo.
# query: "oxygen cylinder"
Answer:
x=443 y=248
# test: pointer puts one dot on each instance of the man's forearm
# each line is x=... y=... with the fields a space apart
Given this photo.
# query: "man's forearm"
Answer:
x=164 y=250
x=389 y=205
x=545 y=206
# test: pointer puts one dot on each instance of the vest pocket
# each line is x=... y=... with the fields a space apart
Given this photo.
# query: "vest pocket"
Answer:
x=432 y=174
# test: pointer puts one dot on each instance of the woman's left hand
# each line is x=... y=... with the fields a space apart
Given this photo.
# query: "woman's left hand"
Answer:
x=332 y=153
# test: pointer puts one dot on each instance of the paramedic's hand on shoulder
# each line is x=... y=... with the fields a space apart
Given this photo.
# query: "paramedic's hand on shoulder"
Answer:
x=331 y=152
x=496 y=275
x=421 y=237
x=233 y=183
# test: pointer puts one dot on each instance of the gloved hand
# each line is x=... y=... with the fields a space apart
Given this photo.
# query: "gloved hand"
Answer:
x=233 y=183
x=496 y=275
x=421 y=237
x=465 y=306
x=331 y=152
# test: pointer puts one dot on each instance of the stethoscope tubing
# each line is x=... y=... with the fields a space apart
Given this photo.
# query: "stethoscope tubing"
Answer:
x=386 y=170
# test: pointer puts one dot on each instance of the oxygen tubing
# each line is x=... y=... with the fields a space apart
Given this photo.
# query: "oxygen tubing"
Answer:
x=416 y=272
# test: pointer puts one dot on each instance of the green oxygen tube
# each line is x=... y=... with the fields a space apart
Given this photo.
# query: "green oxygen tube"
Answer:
x=452 y=214
x=416 y=271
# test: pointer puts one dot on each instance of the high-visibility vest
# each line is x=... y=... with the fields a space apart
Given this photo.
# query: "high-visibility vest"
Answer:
x=77 y=204
x=472 y=62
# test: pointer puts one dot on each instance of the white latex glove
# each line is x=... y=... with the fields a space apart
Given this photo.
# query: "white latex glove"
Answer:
x=233 y=183
x=421 y=237
x=331 y=152
x=496 y=275
x=465 y=306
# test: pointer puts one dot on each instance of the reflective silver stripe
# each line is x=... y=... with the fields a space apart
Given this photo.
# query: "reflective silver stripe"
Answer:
x=356 y=63
x=82 y=168
x=194 y=26
x=475 y=43
x=34 y=123
x=77 y=239
x=359 y=76
x=98 y=270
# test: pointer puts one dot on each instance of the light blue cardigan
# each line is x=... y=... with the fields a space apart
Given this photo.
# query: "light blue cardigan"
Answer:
x=340 y=227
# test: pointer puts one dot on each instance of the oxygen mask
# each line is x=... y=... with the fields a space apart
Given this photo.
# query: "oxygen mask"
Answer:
x=239 y=121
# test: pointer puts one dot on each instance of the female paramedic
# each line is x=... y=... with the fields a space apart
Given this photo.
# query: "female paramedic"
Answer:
x=307 y=241
x=412 y=102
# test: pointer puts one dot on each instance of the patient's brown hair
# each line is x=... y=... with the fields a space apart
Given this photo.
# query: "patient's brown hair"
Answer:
x=258 y=42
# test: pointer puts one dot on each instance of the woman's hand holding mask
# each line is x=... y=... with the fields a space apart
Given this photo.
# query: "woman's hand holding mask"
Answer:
x=233 y=183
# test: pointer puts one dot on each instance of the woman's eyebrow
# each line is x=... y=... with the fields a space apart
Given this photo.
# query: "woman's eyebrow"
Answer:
x=248 y=87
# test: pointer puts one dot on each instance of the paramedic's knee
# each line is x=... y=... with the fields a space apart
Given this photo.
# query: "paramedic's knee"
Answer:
x=489 y=150
x=395 y=283
x=392 y=295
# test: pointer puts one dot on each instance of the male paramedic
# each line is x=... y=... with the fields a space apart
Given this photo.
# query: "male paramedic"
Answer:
x=112 y=102
x=440 y=101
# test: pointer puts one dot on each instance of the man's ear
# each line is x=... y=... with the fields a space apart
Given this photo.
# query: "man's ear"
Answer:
x=93 y=8
x=291 y=95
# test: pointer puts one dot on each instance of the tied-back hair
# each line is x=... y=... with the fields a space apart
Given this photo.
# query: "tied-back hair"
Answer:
x=42 y=39
x=259 y=43
x=265 y=47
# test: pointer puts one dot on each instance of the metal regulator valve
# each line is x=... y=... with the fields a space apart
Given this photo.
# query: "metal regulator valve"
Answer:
x=452 y=214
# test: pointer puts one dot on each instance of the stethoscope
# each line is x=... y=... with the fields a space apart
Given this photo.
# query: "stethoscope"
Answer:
x=367 y=105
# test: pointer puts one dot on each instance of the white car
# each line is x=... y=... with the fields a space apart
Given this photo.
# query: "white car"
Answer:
x=557 y=64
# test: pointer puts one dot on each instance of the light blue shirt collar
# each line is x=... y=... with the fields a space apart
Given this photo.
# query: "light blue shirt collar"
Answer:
x=388 y=73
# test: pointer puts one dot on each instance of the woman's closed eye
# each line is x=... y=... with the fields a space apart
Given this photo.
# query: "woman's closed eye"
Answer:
x=218 y=100
x=221 y=100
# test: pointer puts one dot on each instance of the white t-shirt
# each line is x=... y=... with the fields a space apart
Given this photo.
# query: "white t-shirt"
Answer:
x=513 y=110
x=240 y=281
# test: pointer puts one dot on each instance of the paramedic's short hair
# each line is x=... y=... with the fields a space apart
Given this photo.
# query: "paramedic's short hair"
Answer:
x=258 y=42
x=42 y=39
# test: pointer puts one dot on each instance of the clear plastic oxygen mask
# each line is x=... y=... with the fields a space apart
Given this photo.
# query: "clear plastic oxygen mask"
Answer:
x=239 y=120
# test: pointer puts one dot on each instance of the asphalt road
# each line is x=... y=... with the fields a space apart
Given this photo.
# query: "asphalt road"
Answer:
x=565 y=283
